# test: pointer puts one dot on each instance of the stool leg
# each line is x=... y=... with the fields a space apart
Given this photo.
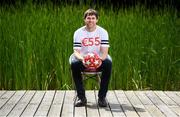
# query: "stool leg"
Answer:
x=98 y=80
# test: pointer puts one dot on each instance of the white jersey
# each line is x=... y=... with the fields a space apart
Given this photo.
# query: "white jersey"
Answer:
x=90 y=41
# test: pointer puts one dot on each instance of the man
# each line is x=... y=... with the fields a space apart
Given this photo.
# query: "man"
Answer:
x=91 y=38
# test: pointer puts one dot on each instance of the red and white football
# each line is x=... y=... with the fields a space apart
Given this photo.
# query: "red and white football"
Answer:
x=92 y=61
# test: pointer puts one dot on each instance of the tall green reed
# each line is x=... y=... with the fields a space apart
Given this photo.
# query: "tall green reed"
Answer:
x=36 y=42
x=144 y=50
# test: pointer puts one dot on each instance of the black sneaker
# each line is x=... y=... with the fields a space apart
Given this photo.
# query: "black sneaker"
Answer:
x=102 y=102
x=81 y=102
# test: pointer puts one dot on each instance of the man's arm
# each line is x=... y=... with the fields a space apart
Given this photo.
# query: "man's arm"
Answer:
x=104 y=51
x=78 y=55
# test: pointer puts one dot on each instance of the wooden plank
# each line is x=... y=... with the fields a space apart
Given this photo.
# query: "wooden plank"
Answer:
x=153 y=110
x=45 y=104
x=177 y=93
x=79 y=111
x=173 y=96
x=68 y=106
x=176 y=110
x=144 y=99
x=60 y=103
x=4 y=111
x=56 y=106
x=115 y=107
x=104 y=111
x=163 y=107
x=170 y=103
x=4 y=98
x=34 y=104
x=126 y=105
x=18 y=109
x=165 y=98
x=138 y=106
x=2 y=92
x=92 y=109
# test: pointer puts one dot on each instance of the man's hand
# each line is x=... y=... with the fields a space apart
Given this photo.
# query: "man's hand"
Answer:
x=104 y=51
x=78 y=55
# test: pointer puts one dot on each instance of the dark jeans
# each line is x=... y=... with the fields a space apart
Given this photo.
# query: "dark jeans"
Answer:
x=105 y=68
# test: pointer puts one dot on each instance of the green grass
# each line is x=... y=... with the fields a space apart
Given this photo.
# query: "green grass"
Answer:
x=36 y=42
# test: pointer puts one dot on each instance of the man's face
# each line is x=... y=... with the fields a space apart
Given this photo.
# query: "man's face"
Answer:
x=90 y=21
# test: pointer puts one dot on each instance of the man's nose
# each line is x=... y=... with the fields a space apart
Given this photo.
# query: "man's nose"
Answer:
x=91 y=19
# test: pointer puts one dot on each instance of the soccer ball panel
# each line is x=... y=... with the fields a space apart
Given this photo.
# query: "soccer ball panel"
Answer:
x=92 y=61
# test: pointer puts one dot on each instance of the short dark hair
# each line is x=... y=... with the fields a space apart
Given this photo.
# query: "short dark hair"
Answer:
x=91 y=12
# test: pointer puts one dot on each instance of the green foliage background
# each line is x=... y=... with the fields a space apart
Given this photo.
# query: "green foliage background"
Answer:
x=36 y=42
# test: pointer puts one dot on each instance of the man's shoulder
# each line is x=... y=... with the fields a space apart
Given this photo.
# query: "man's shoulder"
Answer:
x=79 y=30
x=101 y=29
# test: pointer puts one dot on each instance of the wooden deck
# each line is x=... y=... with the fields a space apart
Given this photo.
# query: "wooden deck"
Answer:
x=60 y=103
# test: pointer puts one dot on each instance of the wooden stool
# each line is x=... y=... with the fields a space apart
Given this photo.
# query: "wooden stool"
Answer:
x=95 y=75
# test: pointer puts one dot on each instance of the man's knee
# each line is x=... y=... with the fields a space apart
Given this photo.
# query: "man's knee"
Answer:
x=107 y=62
x=76 y=65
